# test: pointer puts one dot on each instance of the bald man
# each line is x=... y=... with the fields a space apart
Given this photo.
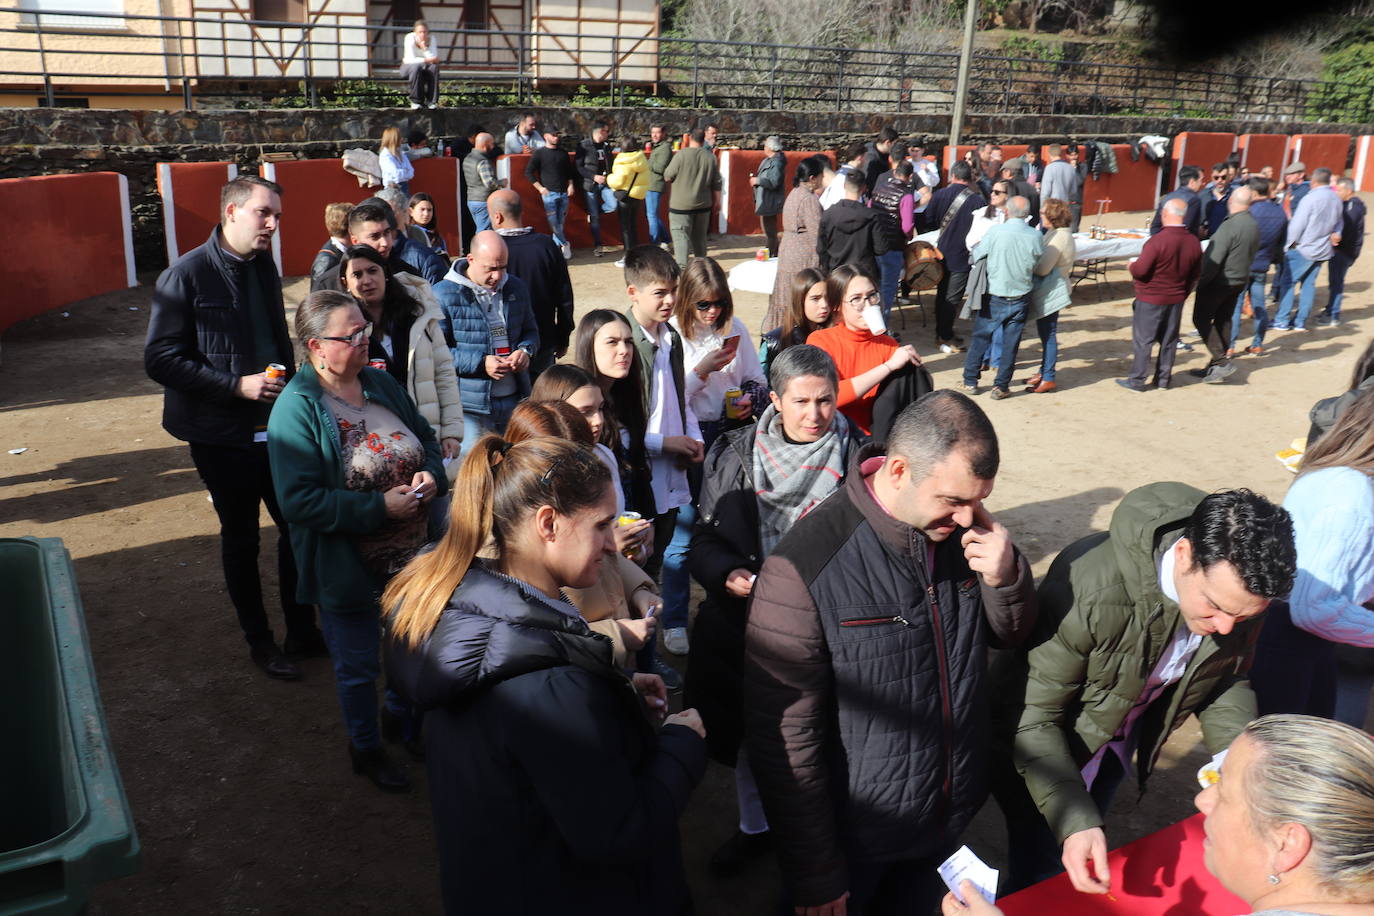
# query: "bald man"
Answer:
x=479 y=174
x=491 y=328
x=1225 y=271
x=538 y=261
x=1164 y=274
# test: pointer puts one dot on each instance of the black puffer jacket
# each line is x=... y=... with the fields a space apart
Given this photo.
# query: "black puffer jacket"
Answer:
x=551 y=791
x=200 y=342
x=864 y=688
x=726 y=538
x=324 y=270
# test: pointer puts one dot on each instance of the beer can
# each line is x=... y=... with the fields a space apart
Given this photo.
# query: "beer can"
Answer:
x=275 y=370
x=628 y=518
x=731 y=396
x=377 y=364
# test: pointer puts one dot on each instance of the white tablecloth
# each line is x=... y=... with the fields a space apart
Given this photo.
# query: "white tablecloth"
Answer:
x=1090 y=249
x=754 y=276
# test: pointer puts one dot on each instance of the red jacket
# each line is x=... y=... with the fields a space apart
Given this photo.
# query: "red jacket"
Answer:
x=1168 y=267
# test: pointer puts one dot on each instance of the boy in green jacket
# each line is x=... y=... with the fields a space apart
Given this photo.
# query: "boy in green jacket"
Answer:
x=1140 y=627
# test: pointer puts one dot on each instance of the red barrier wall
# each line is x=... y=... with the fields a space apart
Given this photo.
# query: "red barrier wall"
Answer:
x=575 y=225
x=190 y=202
x=1320 y=151
x=1135 y=186
x=1364 y=168
x=738 y=195
x=1203 y=150
x=308 y=185
x=77 y=241
x=1259 y=150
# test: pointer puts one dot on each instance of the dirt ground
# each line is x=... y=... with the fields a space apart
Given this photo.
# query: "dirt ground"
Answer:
x=240 y=785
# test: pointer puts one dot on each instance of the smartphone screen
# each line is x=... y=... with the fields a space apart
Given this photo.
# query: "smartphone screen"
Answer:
x=731 y=343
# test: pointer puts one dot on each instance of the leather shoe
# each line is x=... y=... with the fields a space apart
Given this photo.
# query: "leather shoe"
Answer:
x=1043 y=388
x=376 y=767
x=271 y=660
x=738 y=851
x=1128 y=384
x=1033 y=381
x=312 y=645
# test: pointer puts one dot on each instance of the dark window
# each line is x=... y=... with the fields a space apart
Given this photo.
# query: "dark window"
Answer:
x=60 y=102
x=475 y=15
x=279 y=10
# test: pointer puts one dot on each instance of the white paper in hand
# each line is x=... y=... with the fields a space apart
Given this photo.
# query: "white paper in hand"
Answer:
x=965 y=866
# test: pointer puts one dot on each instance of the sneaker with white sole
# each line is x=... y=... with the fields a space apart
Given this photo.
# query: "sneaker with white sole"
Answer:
x=620 y=263
x=948 y=348
x=567 y=251
x=675 y=640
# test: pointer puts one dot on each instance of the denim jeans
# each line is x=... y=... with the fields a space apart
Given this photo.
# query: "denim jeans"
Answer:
x=593 y=200
x=355 y=644
x=1335 y=283
x=890 y=268
x=556 y=209
x=480 y=217
x=658 y=232
x=1009 y=314
x=1048 y=329
x=1300 y=271
x=1256 y=289
x=476 y=425
x=677 y=584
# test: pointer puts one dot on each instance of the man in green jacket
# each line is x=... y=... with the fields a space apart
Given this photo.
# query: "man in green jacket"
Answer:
x=1140 y=627
x=660 y=154
x=695 y=178
x=1225 y=272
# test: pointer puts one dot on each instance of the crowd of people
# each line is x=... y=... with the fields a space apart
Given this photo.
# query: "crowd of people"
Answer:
x=502 y=510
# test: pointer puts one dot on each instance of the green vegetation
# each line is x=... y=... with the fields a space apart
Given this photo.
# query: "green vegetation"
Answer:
x=1347 y=91
x=1033 y=48
x=372 y=94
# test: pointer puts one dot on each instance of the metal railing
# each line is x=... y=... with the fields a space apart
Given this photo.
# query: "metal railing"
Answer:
x=230 y=60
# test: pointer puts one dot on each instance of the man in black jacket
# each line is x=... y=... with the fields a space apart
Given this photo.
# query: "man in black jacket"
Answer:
x=217 y=323
x=535 y=259
x=951 y=211
x=850 y=232
x=593 y=164
x=866 y=662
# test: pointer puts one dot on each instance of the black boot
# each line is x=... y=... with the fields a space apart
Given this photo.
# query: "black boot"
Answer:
x=738 y=851
x=375 y=766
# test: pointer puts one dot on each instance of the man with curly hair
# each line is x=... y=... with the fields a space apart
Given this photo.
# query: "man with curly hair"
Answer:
x=1140 y=627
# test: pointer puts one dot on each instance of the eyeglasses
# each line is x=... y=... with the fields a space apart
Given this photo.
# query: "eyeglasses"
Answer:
x=999 y=190
x=706 y=305
x=863 y=300
x=356 y=339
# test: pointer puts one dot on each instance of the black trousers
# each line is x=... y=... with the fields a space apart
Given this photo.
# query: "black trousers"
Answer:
x=628 y=211
x=239 y=480
x=949 y=296
x=770 y=232
x=1213 y=308
x=424 y=82
x=1150 y=325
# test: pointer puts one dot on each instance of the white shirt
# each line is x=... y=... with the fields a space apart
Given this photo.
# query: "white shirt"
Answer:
x=928 y=172
x=707 y=398
x=1168 y=670
x=835 y=192
x=981 y=224
x=670 y=486
x=413 y=53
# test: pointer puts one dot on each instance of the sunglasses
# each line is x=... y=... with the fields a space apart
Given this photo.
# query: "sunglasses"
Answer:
x=707 y=304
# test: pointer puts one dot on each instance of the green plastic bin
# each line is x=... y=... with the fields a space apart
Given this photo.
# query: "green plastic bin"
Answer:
x=64 y=821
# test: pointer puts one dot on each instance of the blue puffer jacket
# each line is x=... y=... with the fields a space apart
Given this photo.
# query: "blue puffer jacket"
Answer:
x=469 y=335
x=551 y=790
x=423 y=261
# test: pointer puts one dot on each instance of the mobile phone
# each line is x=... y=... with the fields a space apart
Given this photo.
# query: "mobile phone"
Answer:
x=731 y=343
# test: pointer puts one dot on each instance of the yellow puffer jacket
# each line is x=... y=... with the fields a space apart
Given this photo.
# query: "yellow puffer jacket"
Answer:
x=630 y=171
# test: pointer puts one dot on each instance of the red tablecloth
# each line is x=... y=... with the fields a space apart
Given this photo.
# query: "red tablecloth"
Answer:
x=1158 y=875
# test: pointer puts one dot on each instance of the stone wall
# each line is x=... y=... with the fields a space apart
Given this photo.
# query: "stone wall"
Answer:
x=40 y=141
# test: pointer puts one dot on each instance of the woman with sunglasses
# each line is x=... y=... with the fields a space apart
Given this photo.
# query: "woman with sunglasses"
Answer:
x=355 y=467
x=864 y=359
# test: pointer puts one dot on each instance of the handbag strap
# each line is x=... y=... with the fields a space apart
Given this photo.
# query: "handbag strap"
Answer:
x=954 y=207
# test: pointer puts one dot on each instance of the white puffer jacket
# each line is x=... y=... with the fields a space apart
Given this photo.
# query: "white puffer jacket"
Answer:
x=430 y=379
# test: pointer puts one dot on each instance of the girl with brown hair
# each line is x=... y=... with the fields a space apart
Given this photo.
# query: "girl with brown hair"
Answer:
x=811 y=310
x=551 y=788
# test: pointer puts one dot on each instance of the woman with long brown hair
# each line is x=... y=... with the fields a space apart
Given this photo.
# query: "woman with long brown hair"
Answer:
x=603 y=347
x=552 y=790
x=811 y=310
x=1330 y=607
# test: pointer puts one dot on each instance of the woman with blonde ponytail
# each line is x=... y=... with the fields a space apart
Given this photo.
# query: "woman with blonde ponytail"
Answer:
x=552 y=786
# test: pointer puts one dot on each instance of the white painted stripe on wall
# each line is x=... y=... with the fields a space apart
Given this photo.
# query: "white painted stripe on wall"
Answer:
x=127 y=217
x=1361 y=155
x=269 y=171
x=169 y=217
x=721 y=221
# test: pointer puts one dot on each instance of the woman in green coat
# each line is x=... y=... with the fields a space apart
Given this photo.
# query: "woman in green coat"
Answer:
x=354 y=465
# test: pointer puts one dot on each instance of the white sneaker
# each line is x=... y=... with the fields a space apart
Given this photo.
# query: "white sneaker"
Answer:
x=414 y=105
x=948 y=348
x=675 y=640
x=567 y=251
x=621 y=263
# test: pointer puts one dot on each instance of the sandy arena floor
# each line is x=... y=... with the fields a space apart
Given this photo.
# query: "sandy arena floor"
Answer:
x=241 y=786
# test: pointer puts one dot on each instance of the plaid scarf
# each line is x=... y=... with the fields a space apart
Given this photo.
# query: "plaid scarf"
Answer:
x=792 y=477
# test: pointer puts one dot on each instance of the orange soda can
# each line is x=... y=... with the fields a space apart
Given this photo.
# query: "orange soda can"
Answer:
x=275 y=370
